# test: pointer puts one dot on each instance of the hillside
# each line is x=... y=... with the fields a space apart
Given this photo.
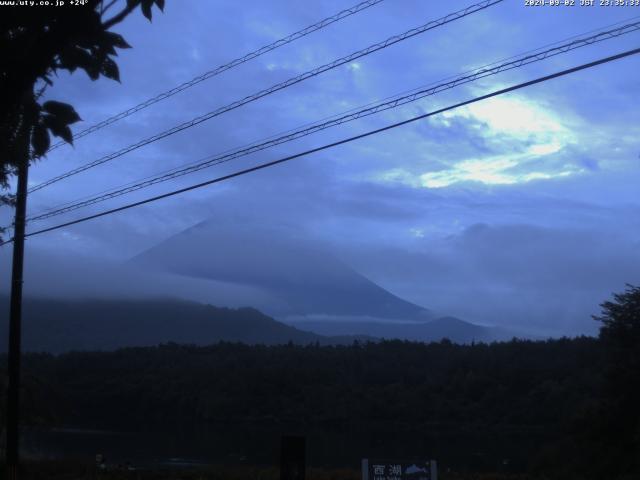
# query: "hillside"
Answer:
x=98 y=324
x=63 y=325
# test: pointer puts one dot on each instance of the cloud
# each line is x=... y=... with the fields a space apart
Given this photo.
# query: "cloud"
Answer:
x=67 y=276
x=500 y=170
x=552 y=172
x=544 y=280
x=523 y=141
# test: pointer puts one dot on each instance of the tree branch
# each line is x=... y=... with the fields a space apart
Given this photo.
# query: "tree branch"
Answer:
x=119 y=17
x=109 y=5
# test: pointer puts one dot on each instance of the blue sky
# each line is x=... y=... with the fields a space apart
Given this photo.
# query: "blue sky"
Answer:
x=521 y=210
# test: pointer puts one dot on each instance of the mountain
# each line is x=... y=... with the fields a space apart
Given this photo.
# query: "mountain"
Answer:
x=296 y=281
x=60 y=325
x=298 y=277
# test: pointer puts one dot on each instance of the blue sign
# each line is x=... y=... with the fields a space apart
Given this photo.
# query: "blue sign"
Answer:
x=399 y=469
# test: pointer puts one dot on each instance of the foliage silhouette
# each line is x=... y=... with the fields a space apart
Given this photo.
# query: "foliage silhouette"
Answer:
x=37 y=42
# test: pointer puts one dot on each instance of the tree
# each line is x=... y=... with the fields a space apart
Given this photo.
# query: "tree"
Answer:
x=35 y=43
x=620 y=336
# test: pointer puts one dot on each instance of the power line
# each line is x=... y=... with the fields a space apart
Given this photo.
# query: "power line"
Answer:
x=600 y=30
x=287 y=83
x=223 y=68
x=319 y=126
x=340 y=142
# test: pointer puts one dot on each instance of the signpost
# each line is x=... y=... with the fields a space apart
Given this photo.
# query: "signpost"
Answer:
x=373 y=469
x=292 y=458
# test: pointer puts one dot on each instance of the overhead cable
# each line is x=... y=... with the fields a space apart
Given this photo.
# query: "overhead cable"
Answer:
x=223 y=68
x=323 y=125
x=277 y=87
x=337 y=143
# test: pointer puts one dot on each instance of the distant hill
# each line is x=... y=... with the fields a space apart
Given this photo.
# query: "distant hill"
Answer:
x=300 y=278
x=454 y=329
x=62 y=325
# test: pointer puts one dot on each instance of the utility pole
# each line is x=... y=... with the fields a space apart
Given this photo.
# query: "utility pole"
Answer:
x=15 y=325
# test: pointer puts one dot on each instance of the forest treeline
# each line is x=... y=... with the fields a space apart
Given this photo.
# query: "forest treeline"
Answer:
x=518 y=402
x=516 y=383
x=564 y=408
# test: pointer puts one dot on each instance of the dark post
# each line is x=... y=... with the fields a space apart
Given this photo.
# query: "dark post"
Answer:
x=292 y=458
x=15 y=320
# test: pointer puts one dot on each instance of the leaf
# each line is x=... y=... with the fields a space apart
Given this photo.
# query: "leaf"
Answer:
x=89 y=30
x=93 y=70
x=107 y=46
x=117 y=40
x=110 y=69
x=58 y=128
x=76 y=57
x=40 y=140
x=62 y=111
x=66 y=135
x=146 y=8
x=69 y=59
x=160 y=4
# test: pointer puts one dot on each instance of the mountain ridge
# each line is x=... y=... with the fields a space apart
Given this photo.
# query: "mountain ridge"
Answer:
x=56 y=326
x=299 y=276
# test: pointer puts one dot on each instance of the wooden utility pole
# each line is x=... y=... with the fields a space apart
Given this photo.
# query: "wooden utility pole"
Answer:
x=292 y=458
x=15 y=325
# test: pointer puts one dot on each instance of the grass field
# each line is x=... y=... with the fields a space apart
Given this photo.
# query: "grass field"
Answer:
x=59 y=470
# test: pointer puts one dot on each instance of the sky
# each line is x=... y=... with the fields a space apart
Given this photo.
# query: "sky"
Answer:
x=521 y=210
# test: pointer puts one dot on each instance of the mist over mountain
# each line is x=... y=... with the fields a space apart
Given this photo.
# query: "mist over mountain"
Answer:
x=300 y=278
x=451 y=328
x=163 y=295
x=307 y=286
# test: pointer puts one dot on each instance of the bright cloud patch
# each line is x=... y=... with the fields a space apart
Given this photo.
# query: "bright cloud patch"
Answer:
x=491 y=171
x=417 y=232
x=528 y=134
x=513 y=116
